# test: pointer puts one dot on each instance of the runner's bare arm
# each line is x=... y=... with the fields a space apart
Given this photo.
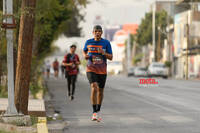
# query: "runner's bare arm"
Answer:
x=85 y=55
x=78 y=63
x=67 y=64
x=108 y=56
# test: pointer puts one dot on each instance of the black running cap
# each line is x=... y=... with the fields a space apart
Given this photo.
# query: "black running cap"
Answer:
x=97 y=27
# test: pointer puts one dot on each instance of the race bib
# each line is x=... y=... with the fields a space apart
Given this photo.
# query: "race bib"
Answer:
x=97 y=59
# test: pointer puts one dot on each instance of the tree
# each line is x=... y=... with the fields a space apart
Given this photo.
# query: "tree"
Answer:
x=24 y=55
x=144 y=34
x=53 y=17
x=3 y=49
x=1 y=6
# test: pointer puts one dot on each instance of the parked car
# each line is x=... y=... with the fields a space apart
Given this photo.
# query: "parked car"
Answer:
x=140 y=71
x=158 y=69
x=131 y=71
x=114 y=67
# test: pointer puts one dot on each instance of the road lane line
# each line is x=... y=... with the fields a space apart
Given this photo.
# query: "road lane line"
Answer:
x=177 y=119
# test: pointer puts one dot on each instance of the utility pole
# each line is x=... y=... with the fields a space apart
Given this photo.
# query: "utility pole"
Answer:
x=24 y=55
x=9 y=25
x=128 y=48
x=186 y=73
x=153 y=31
x=189 y=22
x=158 y=52
x=168 y=29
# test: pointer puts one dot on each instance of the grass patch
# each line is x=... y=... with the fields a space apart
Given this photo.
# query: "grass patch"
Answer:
x=37 y=86
x=50 y=119
x=34 y=120
x=3 y=91
x=57 y=118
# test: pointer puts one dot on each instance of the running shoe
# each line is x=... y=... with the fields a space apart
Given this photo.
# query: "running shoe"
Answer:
x=99 y=117
x=94 y=117
x=72 y=97
x=69 y=98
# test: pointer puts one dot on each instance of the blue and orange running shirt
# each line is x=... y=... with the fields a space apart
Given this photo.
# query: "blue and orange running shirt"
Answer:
x=97 y=62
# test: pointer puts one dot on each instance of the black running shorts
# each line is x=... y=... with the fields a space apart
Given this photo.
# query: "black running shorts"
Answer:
x=99 y=78
x=48 y=70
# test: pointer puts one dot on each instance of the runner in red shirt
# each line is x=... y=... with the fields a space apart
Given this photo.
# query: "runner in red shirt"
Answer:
x=56 y=68
x=71 y=61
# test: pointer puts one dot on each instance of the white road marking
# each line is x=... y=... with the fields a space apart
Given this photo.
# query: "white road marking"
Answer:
x=176 y=119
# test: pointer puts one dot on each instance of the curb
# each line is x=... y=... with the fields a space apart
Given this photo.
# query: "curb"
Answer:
x=17 y=129
x=42 y=125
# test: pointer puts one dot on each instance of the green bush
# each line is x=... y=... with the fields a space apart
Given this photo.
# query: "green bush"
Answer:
x=5 y=132
x=3 y=91
x=168 y=63
x=34 y=120
x=137 y=58
x=37 y=85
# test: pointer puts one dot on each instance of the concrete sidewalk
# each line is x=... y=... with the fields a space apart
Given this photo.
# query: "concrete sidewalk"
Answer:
x=36 y=107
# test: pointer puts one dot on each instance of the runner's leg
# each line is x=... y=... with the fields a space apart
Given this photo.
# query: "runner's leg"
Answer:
x=92 y=77
x=100 y=90
x=69 y=84
x=56 y=73
x=73 y=80
x=94 y=87
x=48 y=71
x=100 y=96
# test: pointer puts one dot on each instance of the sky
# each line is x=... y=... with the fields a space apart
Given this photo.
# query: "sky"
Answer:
x=112 y=12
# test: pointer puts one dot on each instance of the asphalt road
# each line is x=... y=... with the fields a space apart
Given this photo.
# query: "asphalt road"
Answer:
x=171 y=106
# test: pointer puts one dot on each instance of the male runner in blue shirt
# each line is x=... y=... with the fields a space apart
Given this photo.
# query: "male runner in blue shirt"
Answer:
x=97 y=50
